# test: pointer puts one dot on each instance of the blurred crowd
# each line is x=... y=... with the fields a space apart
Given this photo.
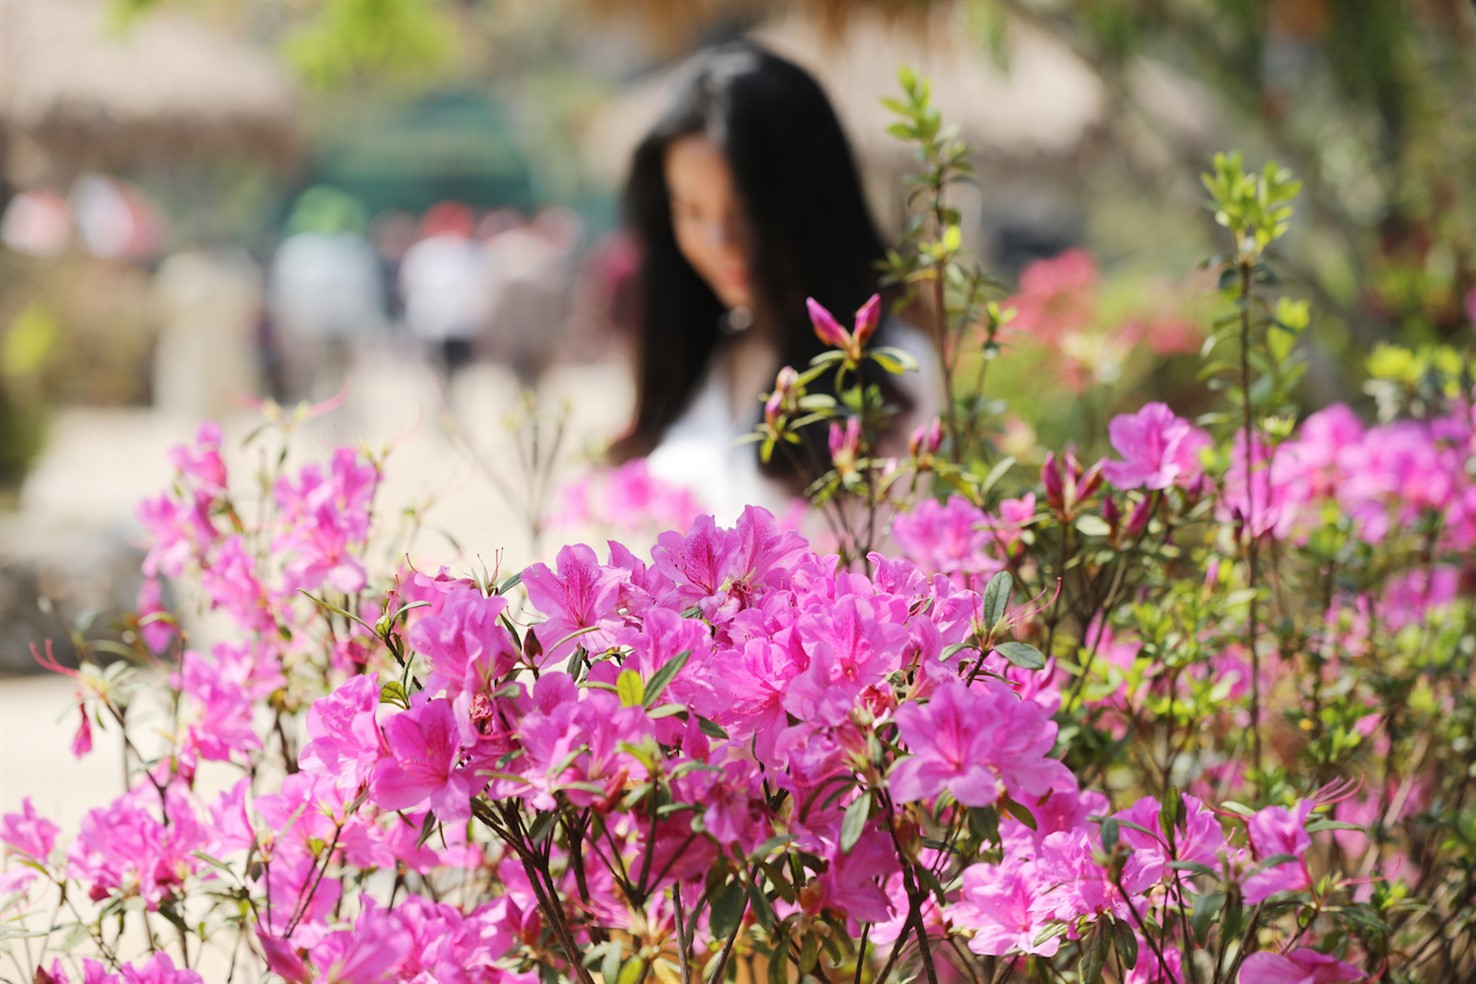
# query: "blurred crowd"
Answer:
x=451 y=286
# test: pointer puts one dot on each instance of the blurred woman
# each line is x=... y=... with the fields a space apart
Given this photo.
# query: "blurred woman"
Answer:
x=746 y=200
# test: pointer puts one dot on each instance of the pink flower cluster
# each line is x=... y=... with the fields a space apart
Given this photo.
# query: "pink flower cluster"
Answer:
x=1383 y=478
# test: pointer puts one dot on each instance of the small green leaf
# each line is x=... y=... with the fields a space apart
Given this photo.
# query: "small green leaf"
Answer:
x=1022 y=654
x=1109 y=834
x=1206 y=907
x=1090 y=525
x=853 y=824
x=997 y=597
x=727 y=909
x=664 y=676
x=631 y=689
x=633 y=972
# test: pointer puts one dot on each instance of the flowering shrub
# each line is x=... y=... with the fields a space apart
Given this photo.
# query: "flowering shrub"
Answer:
x=1197 y=712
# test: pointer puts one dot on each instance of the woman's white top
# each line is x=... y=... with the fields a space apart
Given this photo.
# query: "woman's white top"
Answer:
x=699 y=450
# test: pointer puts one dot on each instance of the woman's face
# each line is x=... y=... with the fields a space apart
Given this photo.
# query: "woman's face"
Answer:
x=707 y=217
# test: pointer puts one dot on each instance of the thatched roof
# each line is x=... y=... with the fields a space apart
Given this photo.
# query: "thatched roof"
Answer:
x=1040 y=103
x=91 y=91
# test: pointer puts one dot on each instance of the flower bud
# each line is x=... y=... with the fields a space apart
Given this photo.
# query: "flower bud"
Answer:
x=827 y=328
x=1138 y=521
x=926 y=440
x=845 y=445
x=1050 y=476
x=1111 y=514
x=782 y=398
x=867 y=319
x=1090 y=481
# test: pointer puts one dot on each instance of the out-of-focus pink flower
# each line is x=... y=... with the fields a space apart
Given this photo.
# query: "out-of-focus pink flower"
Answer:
x=868 y=316
x=1057 y=295
x=1158 y=449
x=1304 y=966
x=159 y=969
x=1276 y=831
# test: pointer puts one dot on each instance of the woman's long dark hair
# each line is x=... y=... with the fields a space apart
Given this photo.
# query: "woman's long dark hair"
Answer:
x=810 y=232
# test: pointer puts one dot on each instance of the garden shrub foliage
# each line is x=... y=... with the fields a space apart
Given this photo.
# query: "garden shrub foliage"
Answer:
x=1200 y=711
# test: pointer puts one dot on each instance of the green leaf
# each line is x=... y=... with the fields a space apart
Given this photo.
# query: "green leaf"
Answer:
x=997 y=597
x=1090 y=525
x=1206 y=907
x=711 y=729
x=1020 y=812
x=1001 y=466
x=853 y=824
x=633 y=972
x=1127 y=943
x=631 y=689
x=1022 y=654
x=1094 y=956
x=1109 y=834
x=393 y=692
x=727 y=909
x=663 y=676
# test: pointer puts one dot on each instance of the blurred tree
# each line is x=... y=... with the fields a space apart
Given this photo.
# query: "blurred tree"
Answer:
x=1371 y=102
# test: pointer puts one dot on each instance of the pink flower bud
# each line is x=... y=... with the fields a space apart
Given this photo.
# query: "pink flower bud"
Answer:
x=926 y=440
x=1090 y=481
x=867 y=319
x=1050 y=476
x=1073 y=463
x=1138 y=521
x=845 y=445
x=782 y=397
x=1111 y=514
x=827 y=328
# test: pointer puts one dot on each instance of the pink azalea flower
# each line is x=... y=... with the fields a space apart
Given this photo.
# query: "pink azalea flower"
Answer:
x=201 y=465
x=1275 y=831
x=579 y=596
x=994 y=905
x=29 y=835
x=1057 y=296
x=344 y=743
x=854 y=884
x=948 y=538
x=969 y=741
x=420 y=767
x=1304 y=966
x=1159 y=450
x=159 y=969
x=465 y=643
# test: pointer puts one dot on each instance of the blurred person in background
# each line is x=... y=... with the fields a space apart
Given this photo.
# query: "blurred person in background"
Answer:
x=441 y=278
x=393 y=233
x=529 y=268
x=326 y=293
x=745 y=199
x=206 y=363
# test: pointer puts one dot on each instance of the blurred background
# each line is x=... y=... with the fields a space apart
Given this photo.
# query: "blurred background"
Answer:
x=415 y=204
